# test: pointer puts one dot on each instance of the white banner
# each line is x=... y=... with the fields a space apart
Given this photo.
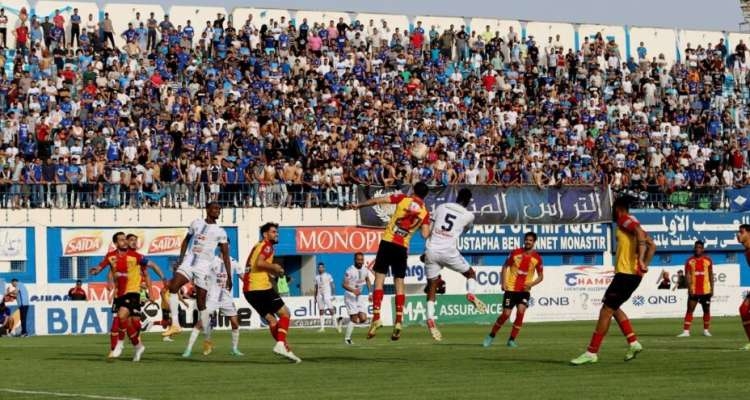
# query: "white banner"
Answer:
x=97 y=242
x=12 y=244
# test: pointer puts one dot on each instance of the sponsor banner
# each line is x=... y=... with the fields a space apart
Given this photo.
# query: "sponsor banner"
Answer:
x=513 y=205
x=415 y=272
x=97 y=242
x=337 y=239
x=12 y=244
x=551 y=238
x=739 y=199
x=452 y=309
x=679 y=231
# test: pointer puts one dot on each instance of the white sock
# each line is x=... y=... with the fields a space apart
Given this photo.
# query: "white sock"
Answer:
x=471 y=286
x=174 y=308
x=193 y=337
x=205 y=317
x=430 y=309
x=235 y=338
x=322 y=320
x=349 y=330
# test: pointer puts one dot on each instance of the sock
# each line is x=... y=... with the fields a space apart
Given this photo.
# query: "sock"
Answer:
x=274 y=329
x=377 y=300
x=498 y=324
x=283 y=329
x=745 y=315
x=471 y=286
x=349 y=330
x=235 y=338
x=596 y=342
x=322 y=319
x=205 y=317
x=517 y=324
x=430 y=310
x=627 y=330
x=193 y=337
x=114 y=333
x=688 y=321
x=706 y=321
x=174 y=308
x=134 y=331
x=400 y=300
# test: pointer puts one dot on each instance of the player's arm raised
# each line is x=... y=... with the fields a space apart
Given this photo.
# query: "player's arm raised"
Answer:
x=371 y=202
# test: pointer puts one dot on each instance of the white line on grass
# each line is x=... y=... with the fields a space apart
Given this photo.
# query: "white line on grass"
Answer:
x=57 y=394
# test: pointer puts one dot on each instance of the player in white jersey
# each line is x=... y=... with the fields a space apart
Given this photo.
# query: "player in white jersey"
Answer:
x=219 y=299
x=449 y=221
x=197 y=252
x=324 y=290
x=356 y=277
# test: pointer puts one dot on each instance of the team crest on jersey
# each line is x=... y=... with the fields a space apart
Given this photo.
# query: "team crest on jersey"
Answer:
x=384 y=211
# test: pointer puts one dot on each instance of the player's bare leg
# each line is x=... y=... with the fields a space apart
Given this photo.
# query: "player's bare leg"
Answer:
x=602 y=326
x=431 y=296
x=745 y=315
x=471 y=288
x=282 y=347
x=634 y=347
x=499 y=322
x=175 y=284
x=354 y=319
x=377 y=300
x=400 y=300
x=688 y=318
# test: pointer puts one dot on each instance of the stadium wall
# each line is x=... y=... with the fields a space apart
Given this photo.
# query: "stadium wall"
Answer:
x=577 y=261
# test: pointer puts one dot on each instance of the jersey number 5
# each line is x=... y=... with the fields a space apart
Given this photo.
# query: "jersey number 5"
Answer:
x=448 y=225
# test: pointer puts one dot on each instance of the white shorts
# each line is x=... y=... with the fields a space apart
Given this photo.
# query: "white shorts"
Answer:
x=355 y=304
x=198 y=272
x=436 y=260
x=223 y=303
x=324 y=302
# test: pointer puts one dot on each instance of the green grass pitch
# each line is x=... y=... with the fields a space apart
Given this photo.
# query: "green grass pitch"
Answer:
x=413 y=368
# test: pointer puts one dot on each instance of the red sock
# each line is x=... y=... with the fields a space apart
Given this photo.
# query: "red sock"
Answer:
x=596 y=342
x=627 y=330
x=745 y=315
x=706 y=321
x=688 y=321
x=282 y=329
x=498 y=324
x=274 y=328
x=114 y=333
x=377 y=300
x=400 y=300
x=516 y=326
x=134 y=331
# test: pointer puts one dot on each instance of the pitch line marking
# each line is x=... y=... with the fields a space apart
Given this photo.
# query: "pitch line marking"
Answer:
x=57 y=394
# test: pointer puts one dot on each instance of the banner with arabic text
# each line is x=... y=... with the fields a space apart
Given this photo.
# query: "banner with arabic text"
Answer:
x=512 y=205
x=676 y=231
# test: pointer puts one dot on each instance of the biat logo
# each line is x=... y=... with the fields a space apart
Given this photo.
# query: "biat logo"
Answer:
x=83 y=244
x=639 y=300
x=588 y=276
x=164 y=244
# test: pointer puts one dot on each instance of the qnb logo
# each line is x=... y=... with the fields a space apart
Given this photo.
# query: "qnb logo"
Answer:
x=654 y=300
x=532 y=301
x=639 y=301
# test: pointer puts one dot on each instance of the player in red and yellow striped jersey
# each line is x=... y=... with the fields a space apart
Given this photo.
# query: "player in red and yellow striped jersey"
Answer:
x=410 y=215
x=260 y=293
x=521 y=271
x=127 y=268
x=635 y=250
x=699 y=274
x=743 y=236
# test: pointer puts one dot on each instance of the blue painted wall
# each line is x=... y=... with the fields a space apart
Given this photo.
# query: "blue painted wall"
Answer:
x=29 y=275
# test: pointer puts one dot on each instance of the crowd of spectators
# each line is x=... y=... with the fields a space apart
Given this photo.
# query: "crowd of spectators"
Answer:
x=300 y=113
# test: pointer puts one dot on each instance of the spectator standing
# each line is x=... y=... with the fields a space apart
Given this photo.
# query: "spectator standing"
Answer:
x=77 y=293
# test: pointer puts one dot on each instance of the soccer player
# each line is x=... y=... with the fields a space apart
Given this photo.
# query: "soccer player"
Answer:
x=743 y=236
x=197 y=252
x=699 y=273
x=127 y=268
x=219 y=299
x=410 y=214
x=166 y=315
x=324 y=289
x=522 y=270
x=260 y=294
x=635 y=249
x=448 y=222
x=355 y=278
